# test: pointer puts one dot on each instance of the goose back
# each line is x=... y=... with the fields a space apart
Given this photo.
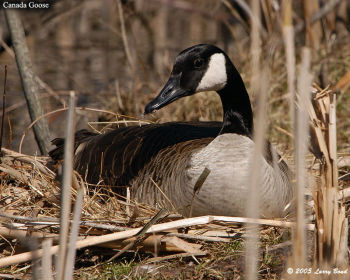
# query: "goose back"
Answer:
x=116 y=157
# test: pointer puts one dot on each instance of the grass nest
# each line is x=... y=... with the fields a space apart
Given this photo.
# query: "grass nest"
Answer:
x=210 y=248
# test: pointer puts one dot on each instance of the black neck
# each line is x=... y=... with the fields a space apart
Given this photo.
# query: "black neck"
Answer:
x=237 y=115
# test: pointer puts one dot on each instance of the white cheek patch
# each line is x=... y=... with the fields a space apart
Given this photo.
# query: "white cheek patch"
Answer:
x=215 y=77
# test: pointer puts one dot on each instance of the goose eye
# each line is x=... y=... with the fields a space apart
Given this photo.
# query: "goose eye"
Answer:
x=198 y=63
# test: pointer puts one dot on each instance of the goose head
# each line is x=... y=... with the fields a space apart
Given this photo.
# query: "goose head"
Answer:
x=196 y=69
x=207 y=68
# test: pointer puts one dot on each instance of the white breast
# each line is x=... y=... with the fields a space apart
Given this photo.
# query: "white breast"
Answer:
x=226 y=189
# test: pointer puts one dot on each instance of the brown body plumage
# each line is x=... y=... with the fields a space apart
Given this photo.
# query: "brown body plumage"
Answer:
x=117 y=157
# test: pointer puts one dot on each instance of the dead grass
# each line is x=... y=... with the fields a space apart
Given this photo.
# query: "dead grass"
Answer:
x=30 y=204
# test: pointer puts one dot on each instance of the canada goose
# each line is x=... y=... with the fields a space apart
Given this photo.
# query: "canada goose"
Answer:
x=173 y=155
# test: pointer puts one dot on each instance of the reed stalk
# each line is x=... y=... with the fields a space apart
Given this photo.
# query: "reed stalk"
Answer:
x=66 y=189
x=301 y=133
x=259 y=90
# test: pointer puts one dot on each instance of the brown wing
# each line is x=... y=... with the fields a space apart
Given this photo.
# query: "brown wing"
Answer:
x=119 y=155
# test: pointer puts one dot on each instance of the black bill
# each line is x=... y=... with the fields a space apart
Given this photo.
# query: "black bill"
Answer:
x=171 y=92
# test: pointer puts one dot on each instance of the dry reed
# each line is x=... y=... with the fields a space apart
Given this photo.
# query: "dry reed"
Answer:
x=62 y=263
x=259 y=92
x=300 y=143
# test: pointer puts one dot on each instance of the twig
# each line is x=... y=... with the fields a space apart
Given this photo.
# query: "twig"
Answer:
x=53 y=221
x=22 y=218
x=3 y=109
x=103 y=226
x=18 y=233
x=286 y=132
x=7 y=48
x=266 y=222
x=123 y=121
x=140 y=235
x=183 y=245
x=165 y=196
x=128 y=196
x=200 y=237
x=10 y=131
x=175 y=256
x=198 y=185
x=11 y=276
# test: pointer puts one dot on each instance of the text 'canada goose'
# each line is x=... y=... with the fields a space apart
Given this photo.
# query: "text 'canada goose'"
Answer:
x=174 y=155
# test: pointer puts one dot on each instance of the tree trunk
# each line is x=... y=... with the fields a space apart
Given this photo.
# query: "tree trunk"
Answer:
x=30 y=87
